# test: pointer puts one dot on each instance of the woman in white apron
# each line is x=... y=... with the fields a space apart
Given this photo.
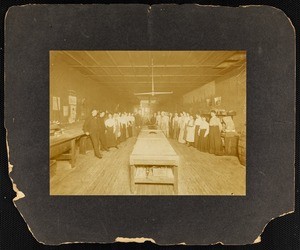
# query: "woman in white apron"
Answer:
x=181 y=123
x=190 y=131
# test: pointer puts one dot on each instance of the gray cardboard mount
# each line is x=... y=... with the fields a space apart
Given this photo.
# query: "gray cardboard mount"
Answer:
x=266 y=34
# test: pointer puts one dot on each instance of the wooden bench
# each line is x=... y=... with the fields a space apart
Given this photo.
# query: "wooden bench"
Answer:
x=153 y=161
x=63 y=147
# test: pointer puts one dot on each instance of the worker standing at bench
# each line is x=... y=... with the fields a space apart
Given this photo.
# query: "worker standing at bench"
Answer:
x=91 y=127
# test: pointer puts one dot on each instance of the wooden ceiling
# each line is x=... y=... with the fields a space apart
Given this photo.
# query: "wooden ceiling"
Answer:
x=129 y=72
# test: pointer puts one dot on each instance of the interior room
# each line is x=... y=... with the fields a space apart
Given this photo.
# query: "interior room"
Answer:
x=147 y=122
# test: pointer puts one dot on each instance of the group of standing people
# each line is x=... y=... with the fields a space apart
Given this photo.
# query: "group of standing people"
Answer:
x=195 y=131
x=107 y=130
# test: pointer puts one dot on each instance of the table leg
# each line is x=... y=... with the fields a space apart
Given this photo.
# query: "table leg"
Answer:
x=132 y=175
x=73 y=153
x=82 y=145
x=175 y=179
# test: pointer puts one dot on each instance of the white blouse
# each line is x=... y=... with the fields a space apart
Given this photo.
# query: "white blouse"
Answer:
x=204 y=125
x=198 y=121
x=110 y=122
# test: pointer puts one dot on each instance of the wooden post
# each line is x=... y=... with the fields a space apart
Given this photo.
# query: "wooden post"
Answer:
x=73 y=153
x=132 y=176
x=175 y=179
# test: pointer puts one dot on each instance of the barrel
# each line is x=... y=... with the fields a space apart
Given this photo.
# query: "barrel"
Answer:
x=242 y=148
x=231 y=143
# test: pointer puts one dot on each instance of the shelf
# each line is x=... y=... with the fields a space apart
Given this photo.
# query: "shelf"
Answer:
x=162 y=175
x=154 y=180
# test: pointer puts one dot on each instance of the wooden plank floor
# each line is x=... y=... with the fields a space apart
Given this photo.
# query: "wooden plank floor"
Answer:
x=199 y=174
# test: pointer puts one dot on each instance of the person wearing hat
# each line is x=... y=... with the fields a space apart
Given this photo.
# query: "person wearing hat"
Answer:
x=91 y=127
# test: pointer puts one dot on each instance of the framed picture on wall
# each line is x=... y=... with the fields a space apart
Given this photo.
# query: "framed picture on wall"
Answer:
x=217 y=101
x=54 y=103
x=208 y=102
x=72 y=100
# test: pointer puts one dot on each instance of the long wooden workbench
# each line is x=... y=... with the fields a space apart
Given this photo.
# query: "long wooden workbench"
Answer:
x=153 y=160
x=63 y=146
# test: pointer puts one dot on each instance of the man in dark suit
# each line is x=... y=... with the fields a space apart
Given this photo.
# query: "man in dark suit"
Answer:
x=103 y=131
x=91 y=127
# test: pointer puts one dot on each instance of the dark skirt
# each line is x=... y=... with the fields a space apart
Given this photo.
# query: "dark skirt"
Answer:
x=123 y=132
x=196 y=140
x=170 y=130
x=215 y=140
x=203 y=144
x=111 y=140
x=176 y=131
x=130 y=131
x=185 y=132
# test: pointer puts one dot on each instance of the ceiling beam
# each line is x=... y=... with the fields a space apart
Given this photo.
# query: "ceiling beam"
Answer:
x=112 y=59
x=90 y=56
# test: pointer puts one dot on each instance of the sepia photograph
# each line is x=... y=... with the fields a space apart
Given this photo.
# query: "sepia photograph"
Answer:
x=161 y=123
x=147 y=123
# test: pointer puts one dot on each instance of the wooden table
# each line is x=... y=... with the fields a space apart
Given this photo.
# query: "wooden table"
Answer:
x=153 y=160
x=63 y=146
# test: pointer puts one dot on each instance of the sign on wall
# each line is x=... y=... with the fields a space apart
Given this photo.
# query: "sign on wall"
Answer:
x=66 y=110
x=72 y=100
x=56 y=103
